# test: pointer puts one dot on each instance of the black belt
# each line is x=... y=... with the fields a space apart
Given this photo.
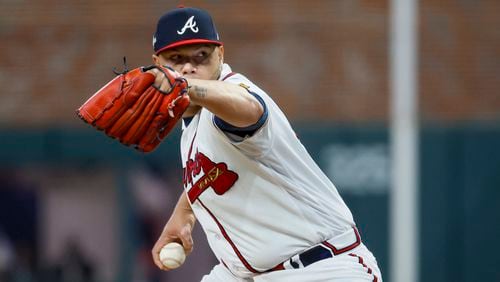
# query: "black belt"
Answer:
x=323 y=250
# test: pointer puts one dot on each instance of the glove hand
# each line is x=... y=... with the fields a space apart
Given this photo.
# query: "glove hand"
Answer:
x=164 y=78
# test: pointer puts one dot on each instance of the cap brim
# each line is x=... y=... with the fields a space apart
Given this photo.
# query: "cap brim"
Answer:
x=188 y=42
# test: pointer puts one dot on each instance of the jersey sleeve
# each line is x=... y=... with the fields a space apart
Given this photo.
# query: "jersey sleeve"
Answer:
x=254 y=140
x=240 y=133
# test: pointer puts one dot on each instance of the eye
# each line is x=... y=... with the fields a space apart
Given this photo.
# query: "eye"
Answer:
x=176 y=58
x=201 y=56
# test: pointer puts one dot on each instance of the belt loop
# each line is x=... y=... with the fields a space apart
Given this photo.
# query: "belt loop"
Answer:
x=296 y=262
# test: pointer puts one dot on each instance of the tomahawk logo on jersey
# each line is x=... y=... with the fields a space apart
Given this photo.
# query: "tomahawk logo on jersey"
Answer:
x=208 y=174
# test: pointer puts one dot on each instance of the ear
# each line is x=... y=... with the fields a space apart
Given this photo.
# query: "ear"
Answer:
x=221 y=54
x=156 y=59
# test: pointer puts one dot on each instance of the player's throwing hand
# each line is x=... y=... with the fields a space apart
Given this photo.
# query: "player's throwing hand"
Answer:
x=178 y=229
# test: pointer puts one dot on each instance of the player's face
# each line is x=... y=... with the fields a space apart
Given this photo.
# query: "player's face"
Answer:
x=202 y=61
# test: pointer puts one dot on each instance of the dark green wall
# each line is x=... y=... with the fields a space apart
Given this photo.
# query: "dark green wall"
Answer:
x=460 y=193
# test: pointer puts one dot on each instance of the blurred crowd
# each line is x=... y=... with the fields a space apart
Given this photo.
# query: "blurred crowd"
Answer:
x=19 y=240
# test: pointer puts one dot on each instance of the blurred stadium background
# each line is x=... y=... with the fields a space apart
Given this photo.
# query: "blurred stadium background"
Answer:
x=75 y=206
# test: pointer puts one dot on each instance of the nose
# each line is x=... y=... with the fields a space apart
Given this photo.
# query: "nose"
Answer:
x=188 y=68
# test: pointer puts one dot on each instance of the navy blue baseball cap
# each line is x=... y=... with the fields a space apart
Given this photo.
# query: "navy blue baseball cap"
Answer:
x=183 y=26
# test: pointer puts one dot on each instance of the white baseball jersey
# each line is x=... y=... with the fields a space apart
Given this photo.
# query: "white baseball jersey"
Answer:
x=262 y=199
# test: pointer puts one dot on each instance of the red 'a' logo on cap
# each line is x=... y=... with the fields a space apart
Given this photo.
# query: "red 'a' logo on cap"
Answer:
x=215 y=175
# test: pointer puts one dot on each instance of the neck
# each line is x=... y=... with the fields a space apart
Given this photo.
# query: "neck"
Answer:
x=218 y=72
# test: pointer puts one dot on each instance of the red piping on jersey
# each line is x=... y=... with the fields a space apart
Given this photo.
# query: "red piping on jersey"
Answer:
x=348 y=248
x=185 y=178
x=191 y=146
x=360 y=260
x=224 y=263
x=228 y=239
x=228 y=75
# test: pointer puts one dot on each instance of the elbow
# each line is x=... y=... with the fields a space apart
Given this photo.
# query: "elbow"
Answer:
x=254 y=112
x=257 y=110
x=247 y=115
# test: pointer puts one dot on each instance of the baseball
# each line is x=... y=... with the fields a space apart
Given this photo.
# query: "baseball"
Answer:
x=172 y=255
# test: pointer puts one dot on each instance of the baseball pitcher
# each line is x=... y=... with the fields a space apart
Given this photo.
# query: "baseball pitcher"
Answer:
x=269 y=213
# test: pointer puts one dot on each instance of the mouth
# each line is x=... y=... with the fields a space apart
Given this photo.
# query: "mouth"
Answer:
x=190 y=76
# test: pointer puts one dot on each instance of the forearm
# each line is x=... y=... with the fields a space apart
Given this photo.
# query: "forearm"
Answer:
x=177 y=229
x=230 y=102
x=183 y=211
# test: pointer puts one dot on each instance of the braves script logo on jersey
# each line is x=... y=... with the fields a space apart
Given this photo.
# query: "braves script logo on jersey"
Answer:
x=215 y=175
x=191 y=24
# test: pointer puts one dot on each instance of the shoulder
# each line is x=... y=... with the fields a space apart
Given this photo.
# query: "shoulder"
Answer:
x=230 y=76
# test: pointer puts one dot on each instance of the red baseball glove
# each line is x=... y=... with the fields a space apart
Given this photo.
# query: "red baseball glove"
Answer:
x=133 y=110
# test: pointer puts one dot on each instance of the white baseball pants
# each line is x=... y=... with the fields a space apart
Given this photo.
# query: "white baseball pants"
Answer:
x=357 y=265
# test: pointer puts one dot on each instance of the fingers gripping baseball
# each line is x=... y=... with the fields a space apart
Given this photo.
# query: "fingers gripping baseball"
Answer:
x=173 y=232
